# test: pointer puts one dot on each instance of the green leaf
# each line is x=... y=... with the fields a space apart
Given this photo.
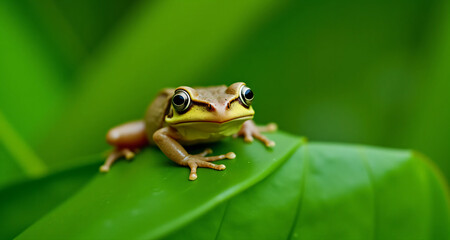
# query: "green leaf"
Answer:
x=24 y=203
x=329 y=191
x=152 y=196
x=323 y=191
x=266 y=211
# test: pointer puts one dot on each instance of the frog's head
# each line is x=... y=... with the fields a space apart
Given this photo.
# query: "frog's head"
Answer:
x=220 y=105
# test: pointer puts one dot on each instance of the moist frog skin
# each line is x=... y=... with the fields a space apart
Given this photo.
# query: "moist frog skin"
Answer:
x=187 y=116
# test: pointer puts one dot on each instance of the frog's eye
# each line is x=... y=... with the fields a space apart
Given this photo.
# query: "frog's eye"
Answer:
x=246 y=96
x=181 y=100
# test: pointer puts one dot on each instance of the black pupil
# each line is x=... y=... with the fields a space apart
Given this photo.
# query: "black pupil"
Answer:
x=248 y=94
x=178 y=100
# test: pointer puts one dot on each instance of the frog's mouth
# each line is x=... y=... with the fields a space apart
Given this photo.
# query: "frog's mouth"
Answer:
x=236 y=119
x=198 y=130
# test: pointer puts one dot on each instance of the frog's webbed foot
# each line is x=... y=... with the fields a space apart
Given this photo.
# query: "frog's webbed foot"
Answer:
x=249 y=130
x=116 y=154
x=200 y=160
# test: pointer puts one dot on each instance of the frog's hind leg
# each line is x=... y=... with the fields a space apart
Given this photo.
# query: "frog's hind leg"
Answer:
x=249 y=130
x=127 y=139
x=114 y=155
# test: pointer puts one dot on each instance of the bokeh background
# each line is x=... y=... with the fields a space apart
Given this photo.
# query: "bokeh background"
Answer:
x=366 y=72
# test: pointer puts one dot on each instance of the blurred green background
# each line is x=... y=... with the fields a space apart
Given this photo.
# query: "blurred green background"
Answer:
x=369 y=72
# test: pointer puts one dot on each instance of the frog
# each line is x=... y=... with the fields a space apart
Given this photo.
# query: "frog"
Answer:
x=185 y=116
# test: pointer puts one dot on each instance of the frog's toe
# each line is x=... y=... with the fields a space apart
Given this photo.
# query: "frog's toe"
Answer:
x=116 y=154
x=205 y=164
x=195 y=163
x=248 y=138
x=230 y=155
x=264 y=139
x=270 y=144
x=104 y=168
x=271 y=127
x=192 y=176
x=128 y=154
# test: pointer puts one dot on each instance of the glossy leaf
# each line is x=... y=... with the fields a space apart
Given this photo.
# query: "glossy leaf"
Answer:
x=324 y=191
x=152 y=196
x=265 y=211
x=25 y=203
x=329 y=191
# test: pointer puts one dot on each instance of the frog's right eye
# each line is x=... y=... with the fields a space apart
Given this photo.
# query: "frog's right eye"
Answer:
x=181 y=100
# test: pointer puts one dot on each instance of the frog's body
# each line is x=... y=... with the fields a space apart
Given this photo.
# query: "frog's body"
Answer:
x=186 y=116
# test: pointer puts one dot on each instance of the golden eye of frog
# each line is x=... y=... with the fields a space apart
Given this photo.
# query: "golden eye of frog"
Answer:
x=186 y=116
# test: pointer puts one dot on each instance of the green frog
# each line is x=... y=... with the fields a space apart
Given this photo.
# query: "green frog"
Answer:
x=186 y=116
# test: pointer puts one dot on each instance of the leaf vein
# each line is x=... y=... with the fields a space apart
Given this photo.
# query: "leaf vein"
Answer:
x=302 y=190
x=223 y=219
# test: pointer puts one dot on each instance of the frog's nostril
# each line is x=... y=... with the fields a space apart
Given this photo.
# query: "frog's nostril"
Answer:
x=210 y=108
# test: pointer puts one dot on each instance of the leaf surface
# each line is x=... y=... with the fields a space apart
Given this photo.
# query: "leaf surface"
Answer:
x=331 y=191
x=322 y=191
x=151 y=196
x=26 y=202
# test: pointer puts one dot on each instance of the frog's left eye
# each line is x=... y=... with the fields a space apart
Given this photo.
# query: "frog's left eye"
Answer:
x=246 y=95
x=181 y=100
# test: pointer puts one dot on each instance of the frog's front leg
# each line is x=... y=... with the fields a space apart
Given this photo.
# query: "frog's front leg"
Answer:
x=250 y=130
x=166 y=137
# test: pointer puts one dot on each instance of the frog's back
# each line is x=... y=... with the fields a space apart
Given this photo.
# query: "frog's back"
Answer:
x=154 y=117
